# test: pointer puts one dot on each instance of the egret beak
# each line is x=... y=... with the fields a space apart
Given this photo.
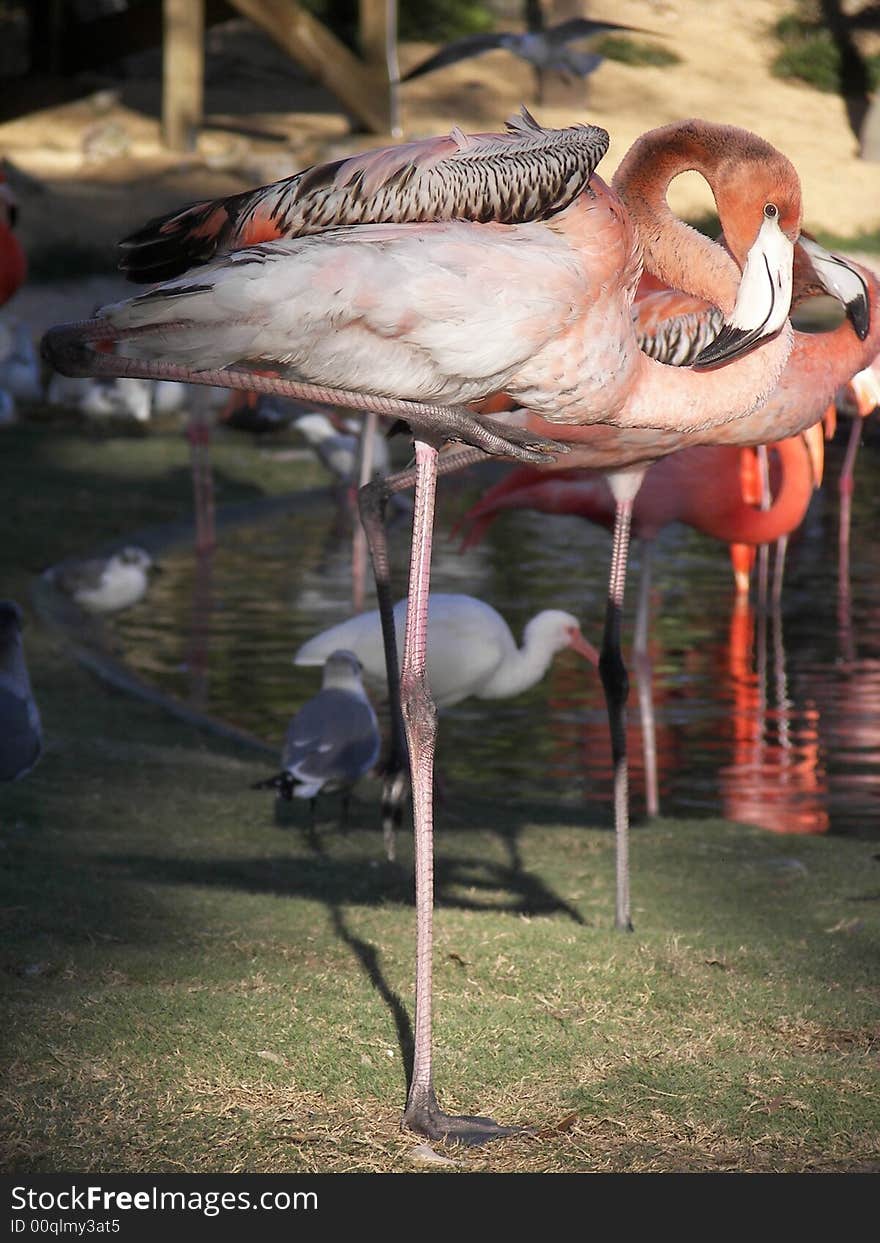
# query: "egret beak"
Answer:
x=842 y=282
x=764 y=298
x=583 y=647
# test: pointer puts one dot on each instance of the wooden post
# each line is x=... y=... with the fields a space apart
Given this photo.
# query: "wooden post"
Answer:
x=183 y=72
x=378 y=40
x=358 y=86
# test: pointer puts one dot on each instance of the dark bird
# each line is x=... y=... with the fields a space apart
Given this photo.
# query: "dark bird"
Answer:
x=547 y=49
x=333 y=740
x=21 y=734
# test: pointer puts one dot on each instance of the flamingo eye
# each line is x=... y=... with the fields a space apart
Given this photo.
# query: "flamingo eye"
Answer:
x=771 y=211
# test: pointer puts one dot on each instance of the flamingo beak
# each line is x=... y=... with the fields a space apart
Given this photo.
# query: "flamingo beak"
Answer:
x=763 y=300
x=583 y=647
x=842 y=282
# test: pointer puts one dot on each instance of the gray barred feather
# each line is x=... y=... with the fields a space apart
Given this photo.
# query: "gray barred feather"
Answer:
x=679 y=340
x=525 y=174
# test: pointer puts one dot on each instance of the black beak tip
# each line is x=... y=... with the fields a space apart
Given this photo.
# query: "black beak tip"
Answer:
x=858 y=314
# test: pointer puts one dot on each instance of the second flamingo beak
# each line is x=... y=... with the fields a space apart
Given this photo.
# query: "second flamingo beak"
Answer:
x=763 y=300
x=842 y=282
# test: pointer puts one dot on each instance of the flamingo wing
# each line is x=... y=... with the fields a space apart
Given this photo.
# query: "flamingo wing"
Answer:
x=527 y=173
x=584 y=28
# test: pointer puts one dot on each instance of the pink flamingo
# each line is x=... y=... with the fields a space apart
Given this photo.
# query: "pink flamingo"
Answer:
x=861 y=396
x=470 y=265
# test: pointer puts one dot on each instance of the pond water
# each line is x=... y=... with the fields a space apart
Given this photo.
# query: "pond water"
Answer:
x=768 y=719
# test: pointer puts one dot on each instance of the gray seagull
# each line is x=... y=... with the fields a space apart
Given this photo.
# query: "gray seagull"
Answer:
x=333 y=740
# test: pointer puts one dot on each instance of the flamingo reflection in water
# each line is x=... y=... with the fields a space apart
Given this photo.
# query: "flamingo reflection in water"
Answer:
x=776 y=777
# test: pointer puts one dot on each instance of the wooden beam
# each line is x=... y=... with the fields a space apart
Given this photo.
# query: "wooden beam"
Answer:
x=357 y=86
x=183 y=72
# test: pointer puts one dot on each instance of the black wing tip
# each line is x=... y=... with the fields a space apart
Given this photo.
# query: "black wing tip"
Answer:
x=730 y=343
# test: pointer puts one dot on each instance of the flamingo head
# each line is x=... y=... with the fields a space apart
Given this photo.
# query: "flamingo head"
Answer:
x=759 y=204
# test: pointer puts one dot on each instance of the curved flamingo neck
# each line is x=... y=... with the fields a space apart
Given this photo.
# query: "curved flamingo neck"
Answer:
x=674 y=252
x=726 y=158
x=694 y=401
x=744 y=524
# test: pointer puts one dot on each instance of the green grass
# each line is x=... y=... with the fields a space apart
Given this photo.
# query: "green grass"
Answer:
x=810 y=54
x=189 y=987
x=636 y=52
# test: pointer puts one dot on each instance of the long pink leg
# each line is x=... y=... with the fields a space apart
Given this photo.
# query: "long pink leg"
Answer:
x=624 y=485
x=845 y=486
x=372 y=502
x=198 y=433
x=422 y=1113
x=766 y=501
x=359 y=539
x=645 y=679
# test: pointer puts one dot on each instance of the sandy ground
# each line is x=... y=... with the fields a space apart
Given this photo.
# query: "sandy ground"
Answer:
x=89 y=171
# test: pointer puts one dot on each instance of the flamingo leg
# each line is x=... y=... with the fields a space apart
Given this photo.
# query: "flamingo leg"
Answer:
x=422 y=1113
x=845 y=491
x=645 y=679
x=69 y=348
x=615 y=681
x=779 y=570
x=373 y=502
x=359 y=539
x=763 y=549
x=198 y=433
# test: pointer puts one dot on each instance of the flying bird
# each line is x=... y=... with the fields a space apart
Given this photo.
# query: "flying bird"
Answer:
x=21 y=733
x=333 y=740
x=547 y=50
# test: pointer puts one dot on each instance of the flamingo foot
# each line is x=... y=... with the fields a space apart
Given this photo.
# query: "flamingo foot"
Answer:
x=425 y=1117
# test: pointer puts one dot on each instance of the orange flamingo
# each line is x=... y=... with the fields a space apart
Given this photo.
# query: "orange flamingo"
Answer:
x=777 y=783
x=470 y=265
